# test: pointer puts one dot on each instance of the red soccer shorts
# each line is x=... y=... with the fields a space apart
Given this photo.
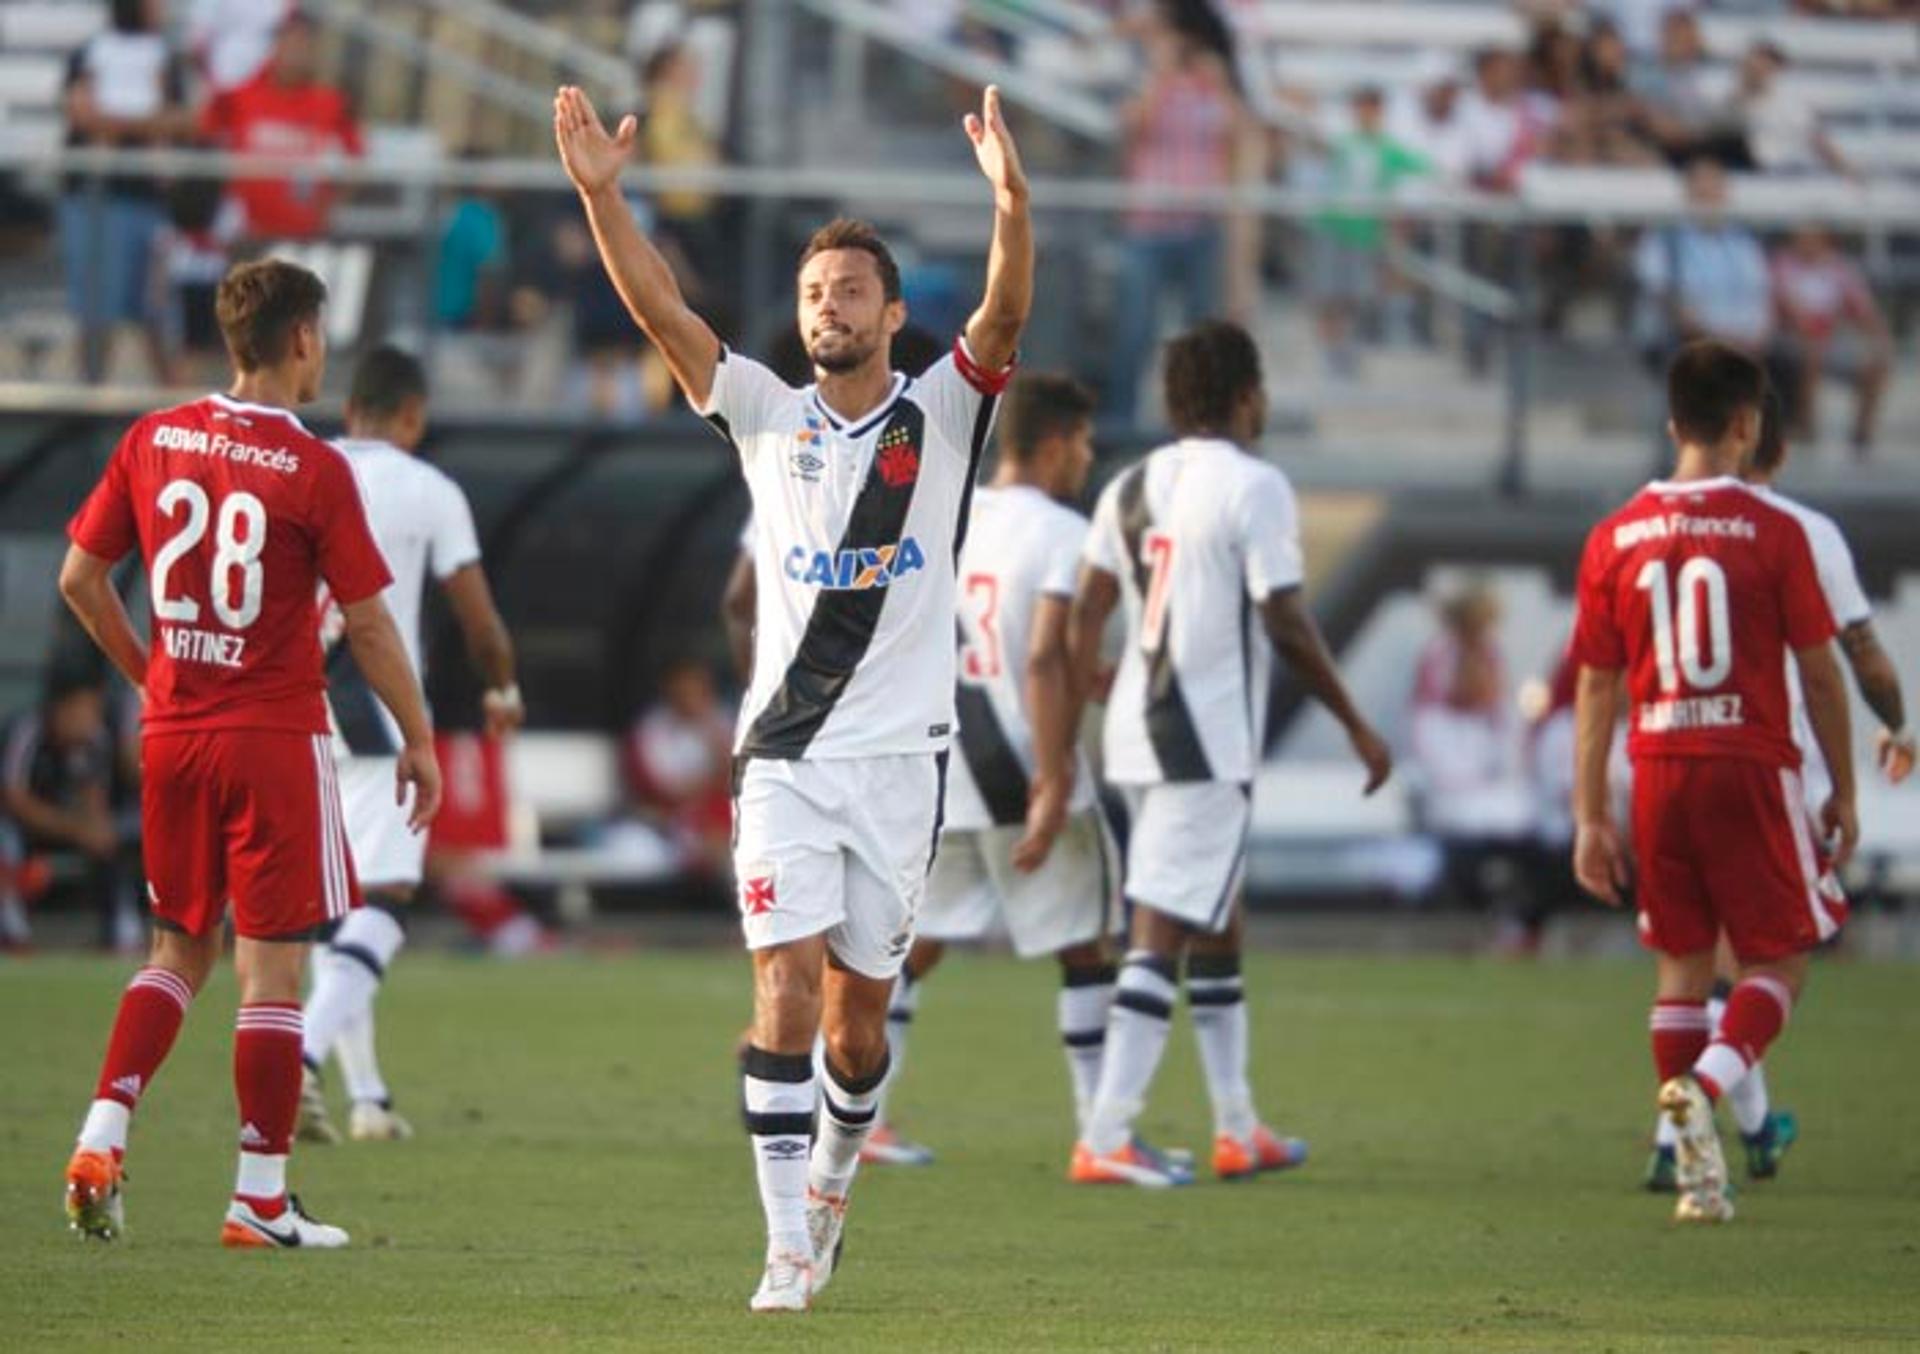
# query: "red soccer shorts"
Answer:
x=1727 y=844
x=250 y=817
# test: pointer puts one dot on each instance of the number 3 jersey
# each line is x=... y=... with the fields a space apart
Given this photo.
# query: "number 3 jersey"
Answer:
x=1022 y=547
x=1699 y=590
x=1198 y=534
x=857 y=526
x=240 y=514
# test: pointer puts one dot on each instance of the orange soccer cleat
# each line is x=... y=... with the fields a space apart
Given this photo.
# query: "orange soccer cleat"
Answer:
x=1134 y=1164
x=1234 y=1159
x=94 y=1206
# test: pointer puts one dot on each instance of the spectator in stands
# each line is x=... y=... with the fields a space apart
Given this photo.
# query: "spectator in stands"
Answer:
x=191 y=255
x=125 y=91
x=286 y=110
x=1705 y=278
x=1684 y=103
x=680 y=765
x=1349 y=264
x=470 y=271
x=1832 y=327
x=1781 y=124
x=1640 y=23
x=1612 y=125
x=1183 y=131
x=673 y=137
x=1426 y=119
x=231 y=40
x=1463 y=749
x=1500 y=133
x=57 y=770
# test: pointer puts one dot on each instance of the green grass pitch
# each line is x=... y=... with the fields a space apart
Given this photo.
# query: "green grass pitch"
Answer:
x=580 y=1179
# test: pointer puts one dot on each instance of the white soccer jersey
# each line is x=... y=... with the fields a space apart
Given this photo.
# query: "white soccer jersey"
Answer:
x=423 y=525
x=1021 y=546
x=1840 y=581
x=1198 y=534
x=857 y=527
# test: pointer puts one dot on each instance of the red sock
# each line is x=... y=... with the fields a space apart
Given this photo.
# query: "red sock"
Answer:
x=151 y=1010
x=1757 y=1011
x=266 y=1075
x=1680 y=1031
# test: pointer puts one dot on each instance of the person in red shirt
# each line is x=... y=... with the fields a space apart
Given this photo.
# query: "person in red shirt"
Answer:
x=1691 y=597
x=287 y=111
x=240 y=515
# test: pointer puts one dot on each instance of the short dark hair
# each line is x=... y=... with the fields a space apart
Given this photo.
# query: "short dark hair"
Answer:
x=1708 y=384
x=1210 y=369
x=261 y=304
x=847 y=233
x=385 y=381
x=1039 y=405
x=1770 y=452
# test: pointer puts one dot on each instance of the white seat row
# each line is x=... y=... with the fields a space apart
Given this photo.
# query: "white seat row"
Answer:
x=49 y=25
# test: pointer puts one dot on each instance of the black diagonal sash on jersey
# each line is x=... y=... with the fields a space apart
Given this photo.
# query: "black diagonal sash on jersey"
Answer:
x=995 y=767
x=1170 y=728
x=356 y=710
x=843 y=623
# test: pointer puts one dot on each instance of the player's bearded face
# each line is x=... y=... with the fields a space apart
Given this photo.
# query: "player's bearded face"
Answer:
x=845 y=317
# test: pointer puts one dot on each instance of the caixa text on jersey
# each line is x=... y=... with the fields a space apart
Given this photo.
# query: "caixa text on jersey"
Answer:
x=855 y=570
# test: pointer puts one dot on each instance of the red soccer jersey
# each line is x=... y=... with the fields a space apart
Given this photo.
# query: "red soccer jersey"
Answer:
x=264 y=118
x=239 y=513
x=1699 y=590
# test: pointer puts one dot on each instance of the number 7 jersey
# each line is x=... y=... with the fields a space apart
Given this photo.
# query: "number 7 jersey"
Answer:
x=240 y=514
x=1699 y=591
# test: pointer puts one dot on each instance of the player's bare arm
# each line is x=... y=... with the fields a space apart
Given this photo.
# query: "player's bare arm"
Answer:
x=86 y=581
x=1832 y=720
x=489 y=647
x=1050 y=706
x=1599 y=857
x=382 y=657
x=1879 y=683
x=737 y=606
x=594 y=160
x=1297 y=639
x=1093 y=603
x=993 y=333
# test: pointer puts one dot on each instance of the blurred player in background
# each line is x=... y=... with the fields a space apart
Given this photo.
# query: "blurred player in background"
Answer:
x=861 y=486
x=1765 y=1135
x=1692 y=596
x=240 y=515
x=1202 y=542
x=424 y=528
x=1023 y=842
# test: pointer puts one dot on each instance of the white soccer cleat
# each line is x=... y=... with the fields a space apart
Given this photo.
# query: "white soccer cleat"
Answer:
x=1700 y=1167
x=787 y=1286
x=292 y=1230
x=826 y=1229
x=885 y=1147
x=314 y=1125
x=370 y=1121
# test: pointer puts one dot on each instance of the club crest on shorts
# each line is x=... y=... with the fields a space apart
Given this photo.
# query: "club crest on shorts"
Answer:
x=757 y=897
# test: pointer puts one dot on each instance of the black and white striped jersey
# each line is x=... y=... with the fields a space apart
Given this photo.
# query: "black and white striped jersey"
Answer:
x=1198 y=533
x=1021 y=546
x=857 y=530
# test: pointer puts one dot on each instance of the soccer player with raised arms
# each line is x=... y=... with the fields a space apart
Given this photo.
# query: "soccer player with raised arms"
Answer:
x=1691 y=597
x=240 y=515
x=861 y=485
x=1201 y=540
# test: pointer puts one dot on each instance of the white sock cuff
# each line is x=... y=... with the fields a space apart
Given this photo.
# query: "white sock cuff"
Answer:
x=261 y=1176
x=1679 y=1017
x=1083 y=1013
x=166 y=982
x=105 y=1128
x=1773 y=987
x=1722 y=1066
x=370 y=935
x=1146 y=986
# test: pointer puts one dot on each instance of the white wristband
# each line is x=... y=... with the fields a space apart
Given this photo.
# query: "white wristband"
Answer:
x=508 y=695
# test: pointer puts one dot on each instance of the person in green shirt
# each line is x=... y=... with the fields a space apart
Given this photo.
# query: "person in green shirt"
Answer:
x=1346 y=275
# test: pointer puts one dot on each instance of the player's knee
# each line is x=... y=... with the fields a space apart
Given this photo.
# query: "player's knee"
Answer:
x=189 y=958
x=1156 y=932
x=926 y=956
x=855 y=1052
x=786 y=1006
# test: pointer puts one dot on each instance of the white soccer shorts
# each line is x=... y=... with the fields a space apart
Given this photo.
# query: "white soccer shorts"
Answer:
x=386 y=852
x=840 y=847
x=1071 y=899
x=1187 y=854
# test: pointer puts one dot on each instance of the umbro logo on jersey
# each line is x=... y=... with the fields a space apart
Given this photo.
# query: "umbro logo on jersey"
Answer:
x=855 y=570
x=805 y=465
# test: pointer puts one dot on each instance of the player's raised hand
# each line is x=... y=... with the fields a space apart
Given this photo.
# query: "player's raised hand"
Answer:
x=1895 y=755
x=1840 y=825
x=1374 y=754
x=420 y=770
x=593 y=159
x=993 y=147
x=1600 y=863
